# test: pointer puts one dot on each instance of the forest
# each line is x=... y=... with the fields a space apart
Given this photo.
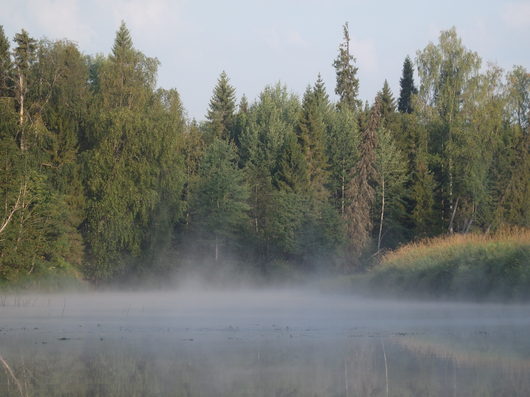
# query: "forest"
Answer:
x=103 y=176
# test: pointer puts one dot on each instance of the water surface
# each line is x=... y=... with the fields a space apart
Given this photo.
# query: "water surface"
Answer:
x=259 y=343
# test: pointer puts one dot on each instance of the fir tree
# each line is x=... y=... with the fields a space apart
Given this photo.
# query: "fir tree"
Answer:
x=291 y=173
x=360 y=193
x=347 y=82
x=407 y=87
x=311 y=133
x=388 y=104
x=123 y=45
x=342 y=143
x=220 y=204
x=221 y=111
x=6 y=66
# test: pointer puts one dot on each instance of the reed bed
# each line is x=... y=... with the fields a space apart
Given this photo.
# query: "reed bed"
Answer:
x=477 y=266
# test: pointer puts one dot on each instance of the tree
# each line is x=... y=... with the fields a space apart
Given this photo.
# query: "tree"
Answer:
x=511 y=187
x=241 y=124
x=360 y=193
x=6 y=66
x=221 y=111
x=447 y=71
x=411 y=137
x=311 y=132
x=24 y=56
x=407 y=87
x=291 y=172
x=391 y=170
x=131 y=166
x=342 y=151
x=220 y=199
x=388 y=105
x=347 y=87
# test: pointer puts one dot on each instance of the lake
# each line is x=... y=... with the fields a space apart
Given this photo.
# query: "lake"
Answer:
x=265 y=342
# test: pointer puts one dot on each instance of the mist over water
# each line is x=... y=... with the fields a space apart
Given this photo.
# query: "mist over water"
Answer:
x=201 y=341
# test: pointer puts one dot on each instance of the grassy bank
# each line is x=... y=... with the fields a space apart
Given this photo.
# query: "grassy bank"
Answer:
x=471 y=266
x=60 y=277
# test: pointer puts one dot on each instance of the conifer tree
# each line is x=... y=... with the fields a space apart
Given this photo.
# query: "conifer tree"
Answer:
x=291 y=172
x=388 y=104
x=241 y=124
x=220 y=199
x=361 y=190
x=311 y=133
x=347 y=87
x=221 y=111
x=6 y=66
x=342 y=144
x=127 y=167
x=407 y=87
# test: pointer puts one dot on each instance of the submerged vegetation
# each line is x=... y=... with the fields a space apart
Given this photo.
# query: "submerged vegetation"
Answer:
x=475 y=266
x=104 y=178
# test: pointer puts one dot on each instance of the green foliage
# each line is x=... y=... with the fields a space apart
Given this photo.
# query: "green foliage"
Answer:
x=388 y=104
x=221 y=112
x=360 y=192
x=311 y=132
x=6 y=66
x=472 y=267
x=341 y=148
x=347 y=87
x=219 y=205
x=408 y=88
x=392 y=173
x=101 y=172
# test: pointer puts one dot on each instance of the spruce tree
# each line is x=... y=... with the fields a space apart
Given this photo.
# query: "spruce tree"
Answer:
x=291 y=172
x=388 y=104
x=407 y=87
x=360 y=193
x=131 y=164
x=221 y=111
x=220 y=209
x=347 y=87
x=311 y=133
x=6 y=66
x=341 y=148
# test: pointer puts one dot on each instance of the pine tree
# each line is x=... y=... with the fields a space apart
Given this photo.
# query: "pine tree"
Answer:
x=221 y=111
x=407 y=87
x=347 y=82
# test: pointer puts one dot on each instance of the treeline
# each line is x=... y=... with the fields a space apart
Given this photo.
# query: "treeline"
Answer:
x=101 y=171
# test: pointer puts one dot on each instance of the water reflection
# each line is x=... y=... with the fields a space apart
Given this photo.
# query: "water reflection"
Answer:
x=267 y=345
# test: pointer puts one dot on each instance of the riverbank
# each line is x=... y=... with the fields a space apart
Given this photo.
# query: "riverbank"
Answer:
x=470 y=267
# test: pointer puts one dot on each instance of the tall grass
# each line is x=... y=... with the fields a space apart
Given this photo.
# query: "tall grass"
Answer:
x=471 y=266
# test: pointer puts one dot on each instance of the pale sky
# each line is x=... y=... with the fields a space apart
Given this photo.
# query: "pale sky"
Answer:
x=262 y=42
